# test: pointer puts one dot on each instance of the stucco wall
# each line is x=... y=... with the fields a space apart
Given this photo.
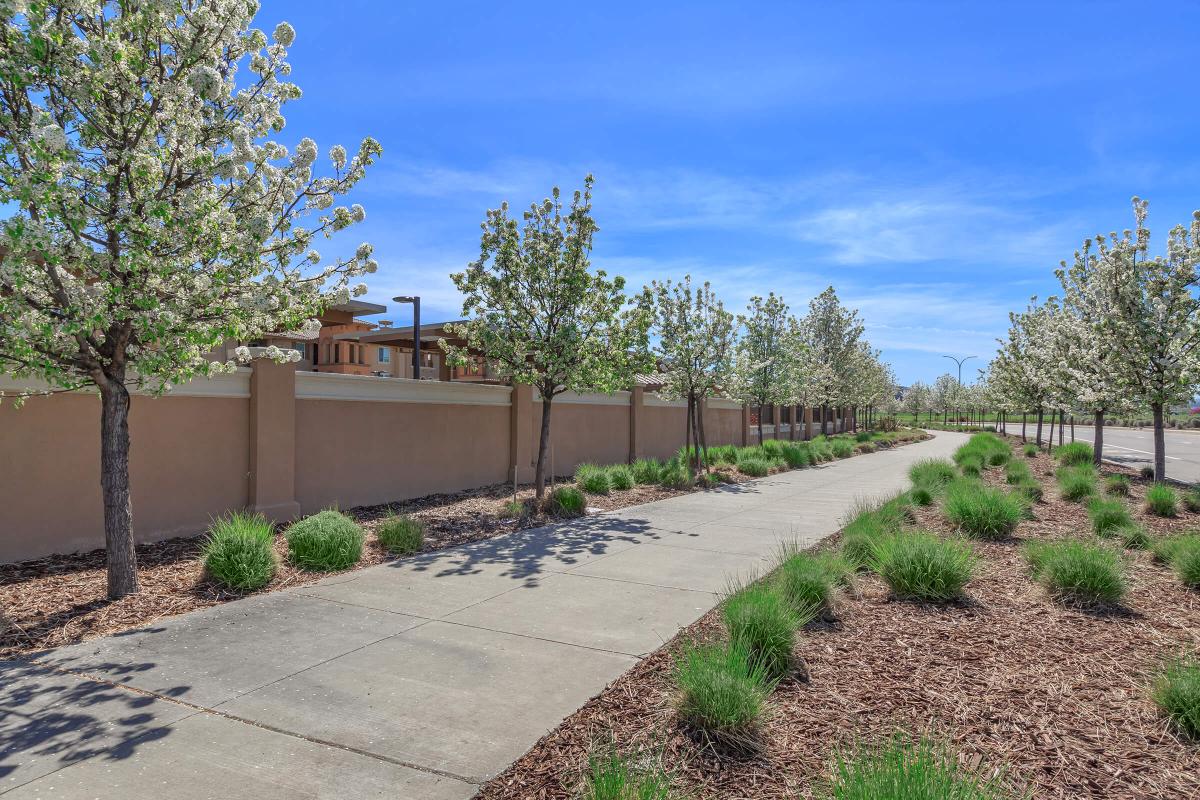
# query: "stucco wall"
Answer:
x=188 y=462
x=582 y=429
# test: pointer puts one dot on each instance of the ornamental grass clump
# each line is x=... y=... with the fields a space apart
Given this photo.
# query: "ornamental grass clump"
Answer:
x=611 y=776
x=868 y=523
x=238 y=553
x=620 y=477
x=1147 y=472
x=971 y=467
x=807 y=581
x=1132 y=536
x=721 y=694
x=1076 y=484
x=796 y=455
x=325 y=542
x=842 y=448
x=1030 y=450
x=1073 y=454
x=1191 y=499
x=1077 y=572
x=821 y=450
x=1117 y=485
x=754 y=467
x=983 y=449
x=1162 y=501
x=981 y=511
x=1017 y=472
x=593 y=479
x=1031 y=489
x=934 y=473
x=1108 y=515
x=1185 y=559
x=1166 y=548
x=1177 y=694
x=647 y=471
x=763 y=622
x=921 y=566
x=674 y=475
x=903 y=769
x=567 y=501
x=921 y=495
x=862 y=436
x=403 y=534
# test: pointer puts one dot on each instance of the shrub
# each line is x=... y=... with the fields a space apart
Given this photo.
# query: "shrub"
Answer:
x=806 y=581
x=613 y=777
x=902 y=769
x=325 y=542
x=921 y=495
x=1107 y=515
x=762 y=621
x=1147 y=472
x=754 y=467
x=1177 y=695
x=238 y=552
x=567 y=501
x=921 y=566
x=1074 y=454
x=1017 y=472
x=1191 y=499
x=721 y=693
x=1132 y=536
x=674 y=475
x=842 y=448
x=592 y=479
x=1078 y=572
x=1076 y=484
x=404 y=534
x=1117 y=485
x=932 y=472
x=1030 y=450
x=647 y=471
x=796 y=455
x=620 y=477
x=980 y=510
x=1161 y=500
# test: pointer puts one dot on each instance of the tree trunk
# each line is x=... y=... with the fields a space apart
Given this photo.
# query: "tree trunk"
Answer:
x=1098 y=444
x=687 y=436
x=539 y=480
x=1160 y=443
x=1024 y=415
x=1072 y=429
x=760 y=425
x=1040 y=412
x=114 y=483
x=703 y=439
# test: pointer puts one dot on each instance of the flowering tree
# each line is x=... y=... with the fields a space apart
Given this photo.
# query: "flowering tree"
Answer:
x=832 y=333
x=945 y=394
x=766 y=354
x=917 y=399
x=1153 y=317
x=696 y=340
x=151 y=216
x=537 y=310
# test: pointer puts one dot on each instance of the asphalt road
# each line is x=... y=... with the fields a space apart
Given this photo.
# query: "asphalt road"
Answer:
x=1134 y=447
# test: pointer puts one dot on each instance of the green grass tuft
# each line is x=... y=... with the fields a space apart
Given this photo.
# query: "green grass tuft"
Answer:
x=902 y=769
x=620 y=477
x=807 y=581
x=1166 y=548
x=1117 y=485
x=1186 y=560
x=611 y=776
x=1107 y=516
x=238 y=552
x=981 y=511
x=862 y=436
x=754 y=467
x=325 y=542
x=922 y=566
x=1191 y=499
x=1132 y=536
x=1162 y=501
x=1177 y=694
x=593 y=479
x=1030 y=450
x=1078 y=572
x=1074 y=454
x=403 y=535
x=647 y=471
x=842 y=448
x=932 y=472
x=1076 y=484
x=674 y=475
x=722 y=694
x=1017 y=472
x=568 y=501
x=1147 y=472
x=921 y=495
x=762 y=621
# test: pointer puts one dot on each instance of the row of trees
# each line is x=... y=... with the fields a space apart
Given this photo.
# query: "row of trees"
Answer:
x=152 y=214
x=544 y=317
x=1123 y=334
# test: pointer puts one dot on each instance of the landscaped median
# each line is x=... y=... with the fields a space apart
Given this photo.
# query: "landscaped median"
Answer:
x=59 y=600
x=1013 y=626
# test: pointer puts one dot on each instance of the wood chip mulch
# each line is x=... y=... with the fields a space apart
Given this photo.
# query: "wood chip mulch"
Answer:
x=1055 y=699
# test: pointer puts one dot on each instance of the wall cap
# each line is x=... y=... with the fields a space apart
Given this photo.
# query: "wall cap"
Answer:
x=370 y=389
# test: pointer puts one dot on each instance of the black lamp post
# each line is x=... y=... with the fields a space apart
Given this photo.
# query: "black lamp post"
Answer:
x=416 y=304
x=959 y=361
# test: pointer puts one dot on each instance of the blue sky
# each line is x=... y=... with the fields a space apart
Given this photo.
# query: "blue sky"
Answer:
x=933 y=161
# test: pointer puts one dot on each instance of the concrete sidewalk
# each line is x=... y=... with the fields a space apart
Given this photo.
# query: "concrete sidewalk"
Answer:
x=416 y=679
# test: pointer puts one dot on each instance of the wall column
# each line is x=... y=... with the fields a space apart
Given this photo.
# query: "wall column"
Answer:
x=808 y=423
x=637 y=421
x=745 y=425
x=520 y=445
x=272 y=489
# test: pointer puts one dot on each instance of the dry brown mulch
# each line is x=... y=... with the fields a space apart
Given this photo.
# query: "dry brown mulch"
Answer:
x=1054 y=698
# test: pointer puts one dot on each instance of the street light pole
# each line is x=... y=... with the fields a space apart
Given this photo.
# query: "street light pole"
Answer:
x=959 y=361
x=416 y=304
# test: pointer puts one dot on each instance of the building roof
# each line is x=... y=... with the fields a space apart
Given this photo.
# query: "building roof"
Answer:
x=358 y=307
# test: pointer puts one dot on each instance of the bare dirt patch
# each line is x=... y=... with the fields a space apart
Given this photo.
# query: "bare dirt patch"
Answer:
x=1056 y=697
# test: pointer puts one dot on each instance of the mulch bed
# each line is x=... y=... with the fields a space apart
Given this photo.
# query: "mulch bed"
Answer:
x=1053 y=698
x=60 y=600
